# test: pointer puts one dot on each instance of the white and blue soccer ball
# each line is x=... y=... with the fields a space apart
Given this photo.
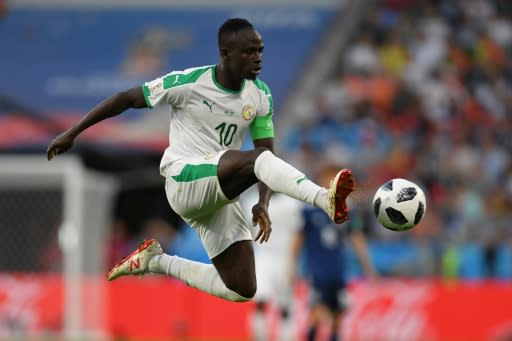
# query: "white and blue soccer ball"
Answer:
x=399 y=204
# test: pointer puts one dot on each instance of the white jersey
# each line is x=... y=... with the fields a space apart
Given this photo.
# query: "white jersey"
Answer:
x=207 y=118
x=273 y=259
x=286 y=217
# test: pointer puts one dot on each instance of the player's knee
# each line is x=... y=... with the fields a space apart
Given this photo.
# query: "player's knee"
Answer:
x=247 y=293
x=259 y=150
x=246 y=290
x=256 y=154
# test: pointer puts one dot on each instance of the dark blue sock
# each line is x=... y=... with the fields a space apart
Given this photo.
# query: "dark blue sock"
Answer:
x=334 y=337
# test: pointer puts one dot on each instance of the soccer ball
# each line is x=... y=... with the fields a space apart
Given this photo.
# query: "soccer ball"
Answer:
x=399 y=204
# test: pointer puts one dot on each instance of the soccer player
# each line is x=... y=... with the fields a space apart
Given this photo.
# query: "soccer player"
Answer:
x=273 y=265
x=322 y=244
x=212 y=109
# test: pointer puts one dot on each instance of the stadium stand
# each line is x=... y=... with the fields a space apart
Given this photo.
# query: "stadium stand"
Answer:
x=422 y=90
x=65 y=60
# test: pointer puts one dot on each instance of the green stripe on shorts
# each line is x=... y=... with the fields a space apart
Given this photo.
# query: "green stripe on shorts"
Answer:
x=195 y=172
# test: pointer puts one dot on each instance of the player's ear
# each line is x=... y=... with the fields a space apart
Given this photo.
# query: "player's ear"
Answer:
x=224 y=53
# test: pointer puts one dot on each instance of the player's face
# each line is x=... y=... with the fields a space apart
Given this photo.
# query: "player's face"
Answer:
x=245 y=57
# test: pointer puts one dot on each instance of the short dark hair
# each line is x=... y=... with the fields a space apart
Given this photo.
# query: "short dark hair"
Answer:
x=230 y=26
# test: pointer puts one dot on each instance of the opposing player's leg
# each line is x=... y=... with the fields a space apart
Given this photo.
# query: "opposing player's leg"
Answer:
x=286 y=330
x=317 y=314
x=328 y=299
x=238 y=170
x=336 y=317
x=258 y=322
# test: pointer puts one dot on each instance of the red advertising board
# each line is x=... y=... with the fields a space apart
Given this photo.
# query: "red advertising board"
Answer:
x=430 y=310
x=159 y=308
x=165 y=309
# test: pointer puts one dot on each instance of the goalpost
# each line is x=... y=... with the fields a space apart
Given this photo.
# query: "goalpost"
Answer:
x=57 y=207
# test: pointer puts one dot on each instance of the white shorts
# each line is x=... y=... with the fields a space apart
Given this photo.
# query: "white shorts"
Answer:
x=193 y=191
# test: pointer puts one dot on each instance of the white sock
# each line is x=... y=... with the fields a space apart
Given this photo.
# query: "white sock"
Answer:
x=283 y=177
x=286 y=330
x=258 y=326
x=197 y=275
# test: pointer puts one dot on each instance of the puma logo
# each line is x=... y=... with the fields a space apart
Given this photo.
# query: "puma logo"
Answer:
x=209 y=105
x=298 y=181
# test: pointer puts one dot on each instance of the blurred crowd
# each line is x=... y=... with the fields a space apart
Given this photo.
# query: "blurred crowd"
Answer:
x=424 y=92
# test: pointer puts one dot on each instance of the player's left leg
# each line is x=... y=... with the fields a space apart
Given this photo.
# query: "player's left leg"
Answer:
x=238 y=170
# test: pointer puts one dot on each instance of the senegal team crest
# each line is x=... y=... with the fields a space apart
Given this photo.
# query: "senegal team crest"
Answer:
x=248 y=112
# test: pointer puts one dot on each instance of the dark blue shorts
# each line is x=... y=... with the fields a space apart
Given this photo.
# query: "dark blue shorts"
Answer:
x=330 y=293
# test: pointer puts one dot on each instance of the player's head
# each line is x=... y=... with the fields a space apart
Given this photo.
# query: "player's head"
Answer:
x=241 y=48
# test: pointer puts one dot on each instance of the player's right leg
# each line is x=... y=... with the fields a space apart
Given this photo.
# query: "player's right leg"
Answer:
x=222 y=227
x=137 y=263
x=234 y=281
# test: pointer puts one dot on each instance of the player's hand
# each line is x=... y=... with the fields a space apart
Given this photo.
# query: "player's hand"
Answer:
x=372 y=277
x=260 y=217
x=59 y=145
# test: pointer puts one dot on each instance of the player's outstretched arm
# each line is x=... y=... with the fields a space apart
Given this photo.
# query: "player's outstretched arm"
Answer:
x=360 y=244
x=112 y=106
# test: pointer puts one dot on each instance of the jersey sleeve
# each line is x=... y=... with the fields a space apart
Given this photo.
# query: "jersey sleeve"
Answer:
x=172 y=89
x=262 y=126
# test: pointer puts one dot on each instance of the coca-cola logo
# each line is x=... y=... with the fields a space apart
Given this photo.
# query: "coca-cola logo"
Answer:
x=394 y=311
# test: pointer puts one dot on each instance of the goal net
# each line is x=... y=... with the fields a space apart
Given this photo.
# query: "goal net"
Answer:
x=54 y=217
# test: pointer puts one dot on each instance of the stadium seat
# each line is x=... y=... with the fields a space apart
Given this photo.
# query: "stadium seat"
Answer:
x=472 y=263
x=503 y=263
